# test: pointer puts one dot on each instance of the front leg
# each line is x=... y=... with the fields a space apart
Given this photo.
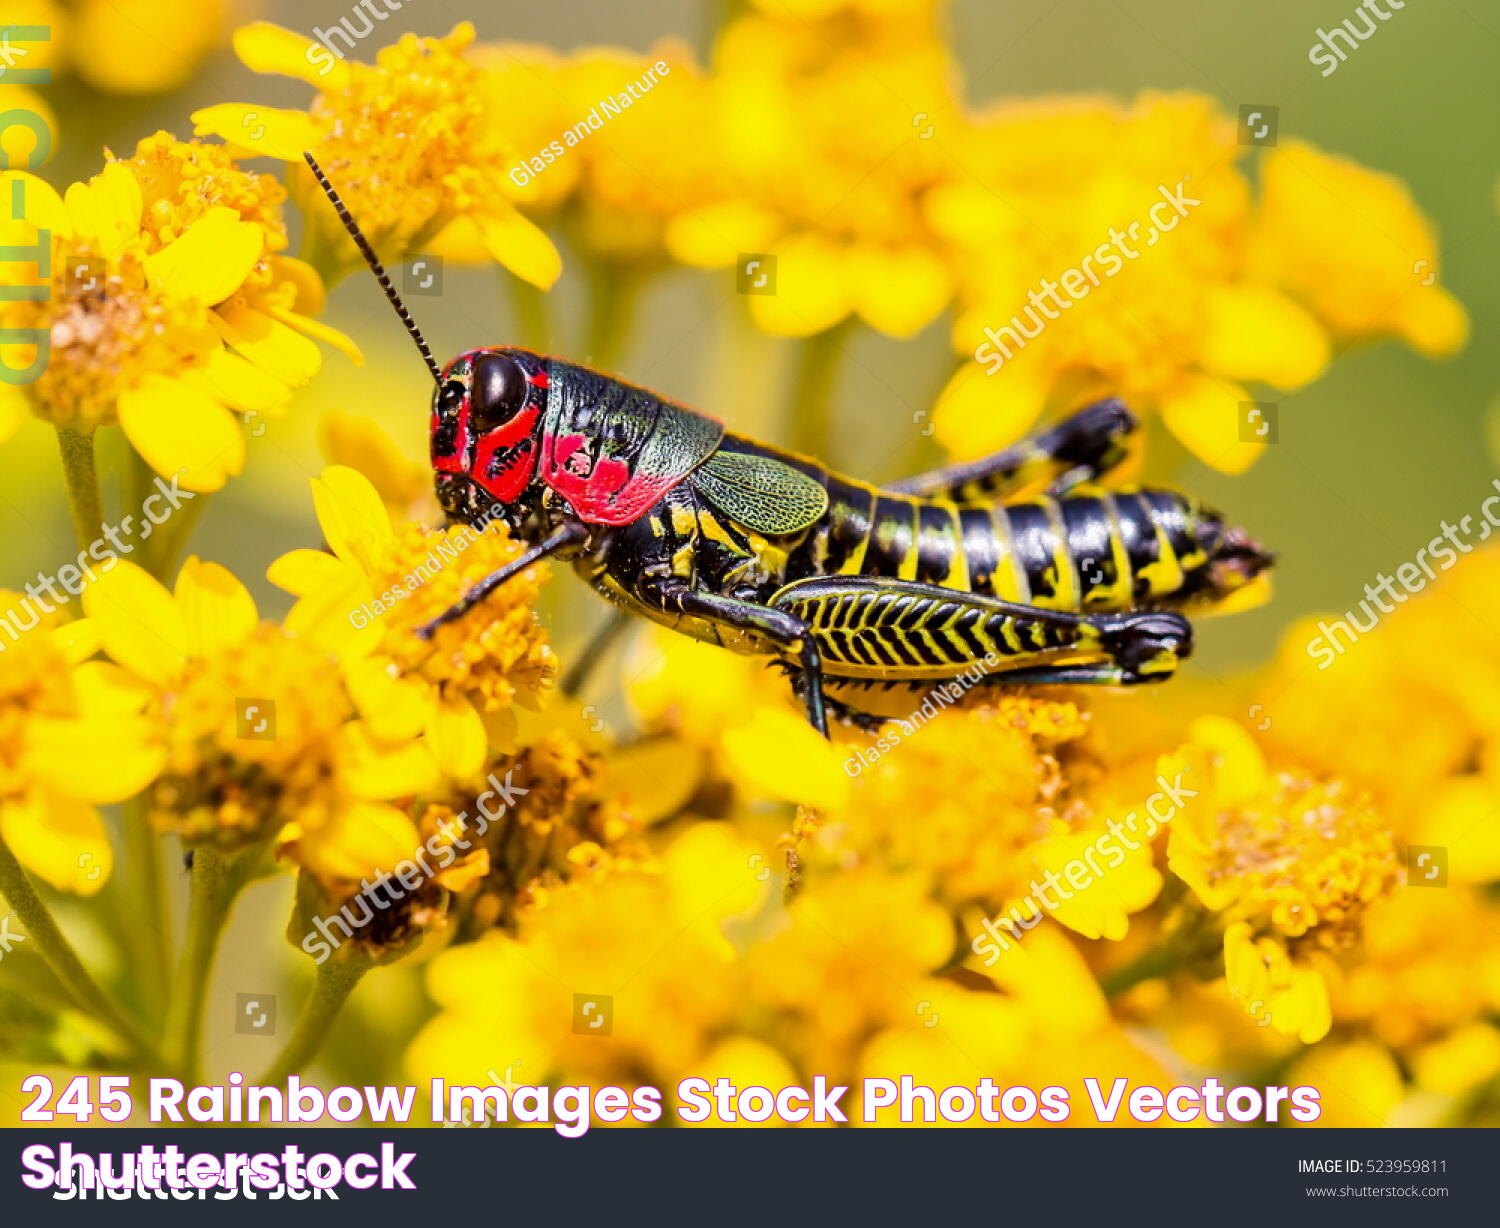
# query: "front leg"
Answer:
x=788 y=632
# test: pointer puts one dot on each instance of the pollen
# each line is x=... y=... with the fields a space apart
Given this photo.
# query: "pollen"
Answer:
x=107 y=329
x=181 y=180
x=252 y=743
x=1305 y=863
x=496 y=654
x=412 y=141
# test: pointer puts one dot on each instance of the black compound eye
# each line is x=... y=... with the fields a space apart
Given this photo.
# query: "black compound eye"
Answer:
x=497 y=391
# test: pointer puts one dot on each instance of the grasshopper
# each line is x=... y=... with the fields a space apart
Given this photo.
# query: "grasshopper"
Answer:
x=1019 y=557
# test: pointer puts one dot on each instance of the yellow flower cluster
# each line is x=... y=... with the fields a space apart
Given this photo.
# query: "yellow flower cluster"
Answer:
x=168 y=308
x=922 y=205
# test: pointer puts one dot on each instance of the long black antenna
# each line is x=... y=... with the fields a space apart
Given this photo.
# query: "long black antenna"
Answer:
x=376 y=267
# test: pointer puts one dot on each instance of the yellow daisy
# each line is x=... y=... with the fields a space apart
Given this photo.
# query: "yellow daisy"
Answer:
x=413 y=143
x=1288 y=865
x=168 y=308
x=365 y=600
x=260 y=738
x=72 y=736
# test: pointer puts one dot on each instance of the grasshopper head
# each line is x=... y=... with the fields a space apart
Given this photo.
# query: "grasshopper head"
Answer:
x=486 y=428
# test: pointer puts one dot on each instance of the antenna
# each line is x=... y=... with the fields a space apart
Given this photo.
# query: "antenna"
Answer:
x=376 y=267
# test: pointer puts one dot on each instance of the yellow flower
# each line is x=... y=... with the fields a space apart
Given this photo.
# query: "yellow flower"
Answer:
x=1157 y=277
x=1288 y=864
x=413 y=143
x=1042 y=1022
x=71 y=737
x=142 y=46
x=260 y=743
x=649 y=943
x=133 y=47
x=556 y=823
x=365 y=600
x=844 y=218
x=168 y=307
x=1430 y=963
x=1351 y=245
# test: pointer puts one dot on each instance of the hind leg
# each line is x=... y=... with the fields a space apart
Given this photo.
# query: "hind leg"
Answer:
x=1078 y=449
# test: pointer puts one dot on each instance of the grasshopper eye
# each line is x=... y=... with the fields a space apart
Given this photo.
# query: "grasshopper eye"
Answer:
x=497 y=391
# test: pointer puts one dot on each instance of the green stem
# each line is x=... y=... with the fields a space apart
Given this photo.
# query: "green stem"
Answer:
x=77 y=450
x=216 y=881
x=334 y=982
x=149 y=908
x=168 y=540
x=1155 y=962
x=613 y=290
x=816 y=378
x=36 y=919
x=532 y=323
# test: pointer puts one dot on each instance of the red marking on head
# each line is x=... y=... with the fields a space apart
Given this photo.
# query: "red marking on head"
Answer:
x=539 y=380
x=507 y=483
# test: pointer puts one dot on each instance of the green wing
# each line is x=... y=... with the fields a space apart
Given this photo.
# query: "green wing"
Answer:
x=761 y=493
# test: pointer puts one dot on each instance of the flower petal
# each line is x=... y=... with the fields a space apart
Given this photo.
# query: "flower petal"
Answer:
x=240 y=384
x=353 y=518
x=139 y=623
x=281 y=352
x=108 y=208
x=1255 y=333
x=62 y=842
x=266 y=132
x=456 y=736
x=210 y=260
x=300 y=572
x=1207 y=415
x=521 y=246
x=218 y=612
x=180 y=430
x=778 y=753
x=123 y=756
x=328 y=335
x=356 y=842
x=265 y=47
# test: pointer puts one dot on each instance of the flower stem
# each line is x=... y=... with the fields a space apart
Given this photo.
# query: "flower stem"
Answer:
x=613 y=289
x=532 y=323
x=334 y=982
x=77 y=450
x=36 y=919
x=817 y=375
x=149 y=906
x=1150 y=964
x=216 y=881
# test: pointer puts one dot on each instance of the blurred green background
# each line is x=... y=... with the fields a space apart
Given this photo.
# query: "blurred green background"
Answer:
x=1370 y=459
